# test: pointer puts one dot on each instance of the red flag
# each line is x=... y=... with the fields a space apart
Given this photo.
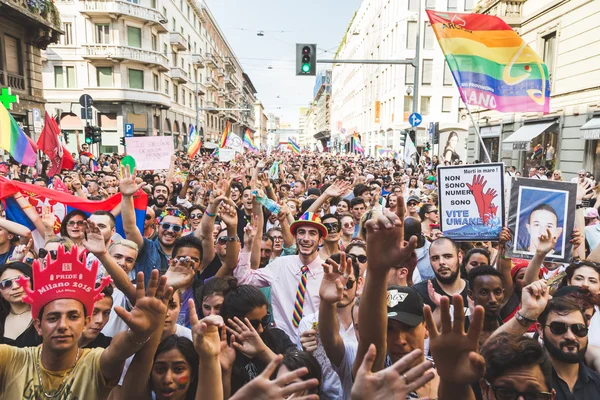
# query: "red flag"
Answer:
x=50 y=144
x=67 y=158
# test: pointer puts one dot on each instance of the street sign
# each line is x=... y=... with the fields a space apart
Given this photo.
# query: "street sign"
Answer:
x=86 y=100
x=37 y=120
x=86 y=113
x=128 y=130
x=415 y=119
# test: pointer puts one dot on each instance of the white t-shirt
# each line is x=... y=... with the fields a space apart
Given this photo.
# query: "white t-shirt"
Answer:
x=115 y=324
x=594 y=329
x=344 y=371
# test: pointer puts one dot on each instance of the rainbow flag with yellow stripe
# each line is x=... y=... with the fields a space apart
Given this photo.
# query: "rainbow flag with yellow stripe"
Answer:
x=225 y=136
x=248 y=142
x=194 y=142
x=13 y=139
x=293 y=146
x=492 y=66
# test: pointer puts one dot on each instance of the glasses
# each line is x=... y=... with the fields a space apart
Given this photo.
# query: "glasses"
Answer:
x=196 y=216
x=222 y=240
x=348 y=225
x=349 y=284
x=148 y=217
x=511 y=394
x=277 y=238
x=167 y=226
x=264 y=321
x=560 y=328
x=43 y=253
x=432 y=211
x=360 y=258
x=28 y=260
x=73 y=223
x=7 y=284
x=332 y=227
x=411 y=204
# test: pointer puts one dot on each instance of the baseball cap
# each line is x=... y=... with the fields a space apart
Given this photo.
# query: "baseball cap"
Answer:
x=405 y=305
x=314 y=192
x=591 y=213
x=413 y=198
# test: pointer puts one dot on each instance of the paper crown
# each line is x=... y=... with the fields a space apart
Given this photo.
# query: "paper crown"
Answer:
x=67 y=277
x=309 y=218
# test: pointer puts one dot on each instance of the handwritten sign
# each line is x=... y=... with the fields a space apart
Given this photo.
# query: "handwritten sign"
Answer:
x=151 y=152
x=226 y=155
x=472 y=201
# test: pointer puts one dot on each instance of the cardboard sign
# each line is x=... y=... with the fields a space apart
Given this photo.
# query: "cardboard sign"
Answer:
x=226 y=155
x=150 y=152
x=537 y=205
x=471 y=199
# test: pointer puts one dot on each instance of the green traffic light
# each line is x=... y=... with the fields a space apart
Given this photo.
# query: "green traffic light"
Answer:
x=306 y=68
x=88 y=140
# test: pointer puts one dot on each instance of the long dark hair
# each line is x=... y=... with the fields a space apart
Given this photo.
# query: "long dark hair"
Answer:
x=186 y=348
x=450 y=136
x=23 y=268
x=65 y=221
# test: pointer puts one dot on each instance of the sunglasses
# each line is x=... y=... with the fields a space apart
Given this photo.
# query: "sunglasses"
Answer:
x=349 y=225
x=332 y=227
x=432 y=211
x=73 y=223
x=176 y=228
x=43 y=253
x=360 y=258
x=196 y=216
x=411 y=204
x=510 y=394
x=349 y=284
x=560 y=328
x=222 y=240
x=148 y=217
x=7 y=284
x=277 y=238
x=264 y=321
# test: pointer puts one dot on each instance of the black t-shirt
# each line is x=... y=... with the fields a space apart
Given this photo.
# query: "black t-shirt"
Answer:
x=29 y=337
x=210 y=270
x=101 y=341
x=421 y=288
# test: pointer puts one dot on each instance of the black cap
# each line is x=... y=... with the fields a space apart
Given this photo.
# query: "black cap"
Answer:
x=413 y=198
x=405 y=305
x=314 y=192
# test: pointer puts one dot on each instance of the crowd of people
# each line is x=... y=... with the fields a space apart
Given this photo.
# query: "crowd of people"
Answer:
x=282 y=276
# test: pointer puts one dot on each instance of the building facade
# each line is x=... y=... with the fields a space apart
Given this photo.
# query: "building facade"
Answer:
x=260 y=125
x=564 y=34
x=322 y=111
x=161 y=65
x=375 y=101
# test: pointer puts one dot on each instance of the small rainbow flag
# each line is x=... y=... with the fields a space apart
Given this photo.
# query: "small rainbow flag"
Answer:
x=225 y=135
x=14 y=140
x=357 y=145
x=215 y=152
x=379 y=149
x=492 y=66
x=293 y=146
x=537 y=151
x=194 y=142
x=248 y=142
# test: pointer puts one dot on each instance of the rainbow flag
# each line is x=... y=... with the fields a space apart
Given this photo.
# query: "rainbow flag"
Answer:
x=379 y=149
x=492 y=66
x=357 y=145
x=14 y=140
x=537 y=151
x=293 y=146
x=194 y=142
x=215 y=152
x=248 y=142
x=225 y=135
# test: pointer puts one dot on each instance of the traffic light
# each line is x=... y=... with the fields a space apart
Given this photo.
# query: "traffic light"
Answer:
x=88 y=135
x=306 y=59
x=122 y=140
x=96 y=134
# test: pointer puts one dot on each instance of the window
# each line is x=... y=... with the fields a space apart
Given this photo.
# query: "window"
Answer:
x=166 y=49
x=174 y=23
x=156 y=82
x=166 y=86
x=154 y=42
x=153 y=4
x=452 y=5
x=409 y=77
x=430 y=4
x=429 y=37
x=175 y=93
x=104 y=76
x=469 y=5
x=64 y=77
x=413 y=5
x=134 y=1
x=411 y=35
x=425 y=103
x=136 y=79
x=550 y=53
x=67 y=38
x=448 y=79
x=164 y=12
x=427 y=72
x=102 y=33
x=408 y=103
x=14 y=60
x=190 y=103
x=183 y=96
x=446 y=104
x=134 y=36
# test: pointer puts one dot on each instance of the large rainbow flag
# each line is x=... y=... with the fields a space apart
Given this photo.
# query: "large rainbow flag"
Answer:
x=14 y=140
x=357 y=145
x=225 y=135
x=492 y=66
x=248 y=142
x=194 y=142
x=293 y=146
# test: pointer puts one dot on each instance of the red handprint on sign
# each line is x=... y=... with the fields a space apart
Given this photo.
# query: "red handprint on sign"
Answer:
x=486 y=209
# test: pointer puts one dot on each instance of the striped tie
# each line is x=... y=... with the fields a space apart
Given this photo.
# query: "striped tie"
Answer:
x=299 y=304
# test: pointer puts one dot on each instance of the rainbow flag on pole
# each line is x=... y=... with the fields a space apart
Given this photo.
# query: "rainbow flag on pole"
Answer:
x=248 y=142
x=357 y=145
x=293 y=145
x=492 y=66
x=14 y=140
x=194 y=142
x=225 y=135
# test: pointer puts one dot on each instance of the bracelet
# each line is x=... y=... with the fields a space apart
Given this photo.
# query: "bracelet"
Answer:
x=26 y=207
x=133 y=341
x=524 y=320
x=209 y=214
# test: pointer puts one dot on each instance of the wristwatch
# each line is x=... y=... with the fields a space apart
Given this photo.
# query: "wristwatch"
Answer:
x=232 y=238
x=524 y=320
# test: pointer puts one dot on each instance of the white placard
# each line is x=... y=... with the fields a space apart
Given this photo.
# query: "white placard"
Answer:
x=226 y=155
x=150 y=152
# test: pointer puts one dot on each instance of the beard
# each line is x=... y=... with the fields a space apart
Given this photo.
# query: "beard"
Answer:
x=446 y=280
x=570 y=358
x=160 y=201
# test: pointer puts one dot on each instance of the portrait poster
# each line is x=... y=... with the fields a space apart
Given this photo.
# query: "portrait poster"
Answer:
x=537 y=206
x=452 y=146
x=471 y=201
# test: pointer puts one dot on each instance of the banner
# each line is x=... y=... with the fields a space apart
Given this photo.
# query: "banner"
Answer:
x=537 y=206
x=471 y=201
x=226 y=155
x=151 y=152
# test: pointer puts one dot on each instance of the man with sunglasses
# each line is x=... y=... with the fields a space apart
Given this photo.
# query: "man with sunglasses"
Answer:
x=331 y=244
x=150 y=231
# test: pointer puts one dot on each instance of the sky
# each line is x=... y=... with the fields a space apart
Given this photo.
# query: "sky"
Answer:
x=284 y=23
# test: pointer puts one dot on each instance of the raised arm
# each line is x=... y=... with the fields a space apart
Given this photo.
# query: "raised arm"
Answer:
x=128 y=189
x=229 y=217
x=545 y=246
x=30 y=211
x=16 y=228
x=204 y=231
x=337 y=189
x=504 y=264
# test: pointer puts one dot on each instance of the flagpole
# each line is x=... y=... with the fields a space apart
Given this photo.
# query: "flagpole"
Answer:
x=476 y=126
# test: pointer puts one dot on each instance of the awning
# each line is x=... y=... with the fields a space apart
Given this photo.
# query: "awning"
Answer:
x=521 y=139
x=591 y=129
x=209 y=145
x=323 y=135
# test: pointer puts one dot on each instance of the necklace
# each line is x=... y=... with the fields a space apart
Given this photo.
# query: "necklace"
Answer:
x=14 y=313
x=62 y=385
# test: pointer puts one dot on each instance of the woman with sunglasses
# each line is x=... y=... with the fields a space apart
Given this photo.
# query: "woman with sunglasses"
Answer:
x=72 y=227
x=256 y=342
x=195 y=213
x=16 y=323
x=357 y=250
x=347 y=224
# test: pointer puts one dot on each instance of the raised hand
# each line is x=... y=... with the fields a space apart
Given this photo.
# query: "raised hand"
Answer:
x=338 y=188
x=180 y=273
x=250 y=231
x=309 y=341
x=263 y=388
x=455 y=353
x=247 y=340
x=534 y=298
x=394 y=382
x=386 y=247
x=48 y=218
x=93 y=241
x=228 y=213
x=547 y=242
x=127 y=185
x=227 y=356
x=150 y=308
x=334 y=278
x=205 y=333
x=476 y=188
x=505 y=237
x=576 y=239
x=433 y=295
x=21 y=251
x=582 y=189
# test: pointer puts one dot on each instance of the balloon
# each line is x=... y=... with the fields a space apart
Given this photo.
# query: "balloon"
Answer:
x=128 y=161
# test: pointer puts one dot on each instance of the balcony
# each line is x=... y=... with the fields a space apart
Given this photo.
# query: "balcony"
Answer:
x=222 y=93
x=114 y=52
x=116 y=9
x=178 y=41
x=229 y=82
x=116 y=94
x=229 y=64
x=211 y=83
x=13 y=81
x=220 y=72
x=212 y=104
x=179 y=75
x=198 y=60
x=200 y=88
x=211 y=60
x=230 y=102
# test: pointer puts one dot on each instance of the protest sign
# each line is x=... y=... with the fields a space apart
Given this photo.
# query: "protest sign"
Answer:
x=226 y=155
x=235 y=142
x=471 y=201
x=150 y=152
x=537 y=206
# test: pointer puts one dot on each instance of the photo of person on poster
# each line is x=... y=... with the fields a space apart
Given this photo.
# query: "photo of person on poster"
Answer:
x=450 y=148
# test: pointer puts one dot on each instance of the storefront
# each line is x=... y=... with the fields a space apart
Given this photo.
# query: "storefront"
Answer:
x=491 y=139
x=532 y=145
x=590 y=132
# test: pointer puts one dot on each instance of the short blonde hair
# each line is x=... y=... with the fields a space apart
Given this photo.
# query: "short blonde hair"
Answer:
x=124 y=242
